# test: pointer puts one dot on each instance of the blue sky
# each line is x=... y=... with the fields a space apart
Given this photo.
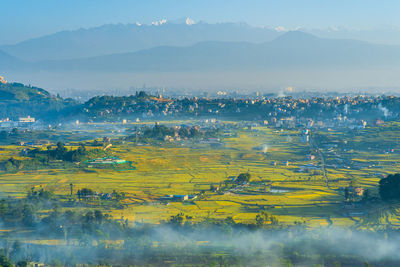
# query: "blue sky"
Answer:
x=23 y=19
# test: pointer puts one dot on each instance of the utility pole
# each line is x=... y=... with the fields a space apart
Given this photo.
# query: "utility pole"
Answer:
x=71 y=188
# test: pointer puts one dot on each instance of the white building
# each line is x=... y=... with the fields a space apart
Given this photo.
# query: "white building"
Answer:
x=2 y=80
x=28 y=119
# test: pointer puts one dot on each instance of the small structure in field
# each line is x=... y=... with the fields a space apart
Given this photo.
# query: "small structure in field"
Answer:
x=107 y=160
x=179 y=197
x=114 y=162
x=286 y=163
x=310 y=157
x=358 y=191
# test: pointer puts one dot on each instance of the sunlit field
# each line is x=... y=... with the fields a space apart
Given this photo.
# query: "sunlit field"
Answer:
x=190 y=168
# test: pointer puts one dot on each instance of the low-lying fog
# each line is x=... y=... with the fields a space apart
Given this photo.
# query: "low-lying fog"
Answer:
x=256 y=246
x=342 y=80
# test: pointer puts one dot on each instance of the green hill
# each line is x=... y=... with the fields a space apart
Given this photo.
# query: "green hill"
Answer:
x=20 y=92
x=18 y=100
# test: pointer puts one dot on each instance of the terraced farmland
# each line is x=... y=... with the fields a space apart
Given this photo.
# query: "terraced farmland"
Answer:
x=186 y=168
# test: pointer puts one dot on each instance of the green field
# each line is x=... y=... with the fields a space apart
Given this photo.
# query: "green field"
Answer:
x=190 y=168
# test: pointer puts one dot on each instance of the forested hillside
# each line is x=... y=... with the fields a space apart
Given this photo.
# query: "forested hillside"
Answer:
x=18 y=100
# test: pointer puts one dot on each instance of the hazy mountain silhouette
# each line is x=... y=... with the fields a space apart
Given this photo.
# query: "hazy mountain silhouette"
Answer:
x=121 y=38
x=8 y=62
x=290 y=50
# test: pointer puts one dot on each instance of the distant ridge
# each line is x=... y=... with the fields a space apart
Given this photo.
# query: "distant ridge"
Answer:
x=8 y=62
x=296 y=36
x=291 y=50
x=120 y=38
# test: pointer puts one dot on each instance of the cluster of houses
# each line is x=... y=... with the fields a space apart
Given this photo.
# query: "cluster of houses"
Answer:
x=348 y=112
x=36 y=143
x=283 y=163
x=287 y=112
x=281 y=112
x=90 y=195
x=22 y=122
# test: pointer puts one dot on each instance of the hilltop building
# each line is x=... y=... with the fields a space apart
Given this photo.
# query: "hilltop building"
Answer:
x=28 y=119
x=2 y=80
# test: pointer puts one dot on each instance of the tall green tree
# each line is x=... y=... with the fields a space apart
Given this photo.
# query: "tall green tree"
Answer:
x=389 y=187
x=243 y=178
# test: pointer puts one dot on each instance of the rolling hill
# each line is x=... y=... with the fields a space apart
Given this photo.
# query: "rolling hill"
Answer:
x=21 y=92
x=18 y=100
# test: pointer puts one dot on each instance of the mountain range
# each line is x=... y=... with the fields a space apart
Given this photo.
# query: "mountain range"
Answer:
x=122 y=38
x=290 y=50
x=183 y=48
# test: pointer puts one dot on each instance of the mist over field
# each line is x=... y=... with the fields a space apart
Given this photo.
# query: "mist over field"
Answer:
x=194 y=245
x=273 y=81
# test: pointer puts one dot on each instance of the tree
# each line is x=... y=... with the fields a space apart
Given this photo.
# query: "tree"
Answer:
x=98 y=216
x=243 y=178
x=3 y=135
x=60 y=151
x=389 y=187
x=353 y=183
x=260 y=218
x=14 y=131
x=366 y=195
x=177 y=219
x=43 y=194
x=28 y=216
x=9 y=167
x=346 y=193
x=89 y=217
x=3 y=208
x=141 y=94
x=85 y=193
x=4 y=261
x=229 y=221
x=264 y=218
x=17 y=252
x=78 y=154
x=22 y=263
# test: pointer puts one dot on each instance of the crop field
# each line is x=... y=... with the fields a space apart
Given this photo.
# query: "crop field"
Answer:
x=276 y=160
